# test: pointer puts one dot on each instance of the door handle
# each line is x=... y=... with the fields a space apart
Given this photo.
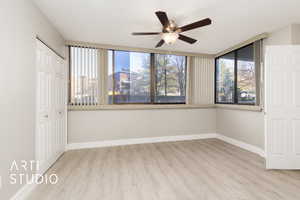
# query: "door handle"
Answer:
x=46 y=116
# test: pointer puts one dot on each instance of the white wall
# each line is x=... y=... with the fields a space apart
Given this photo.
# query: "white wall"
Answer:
x=281 y=36
x=89 y=126
x=295 y=31
x=245 y=126
x=285 y=36
x=20 y=22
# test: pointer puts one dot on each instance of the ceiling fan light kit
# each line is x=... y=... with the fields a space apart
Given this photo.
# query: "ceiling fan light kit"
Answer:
x=171 y=32
x=170 y=38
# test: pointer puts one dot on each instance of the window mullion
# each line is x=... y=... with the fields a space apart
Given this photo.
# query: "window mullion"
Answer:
x=113 y=77
x=235 y=79
x=189 y=80
x=152 y=78
x=258 y=72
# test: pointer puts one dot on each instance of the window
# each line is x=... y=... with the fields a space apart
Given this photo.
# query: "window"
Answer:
x=125 y=77
x=236 y=74
x=135 y=77
x=246 y=75
x=170 y=72
x=129 y=77
x=225 y=78
x=84 y=76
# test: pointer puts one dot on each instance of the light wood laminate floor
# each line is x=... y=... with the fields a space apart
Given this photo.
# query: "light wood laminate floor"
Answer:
x=199 y=170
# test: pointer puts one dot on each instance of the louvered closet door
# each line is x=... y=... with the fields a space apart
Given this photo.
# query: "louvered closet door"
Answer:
x=51 y=107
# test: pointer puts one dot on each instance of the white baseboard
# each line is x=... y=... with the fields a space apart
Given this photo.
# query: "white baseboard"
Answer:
x=242 y=145
x=110 y=143
x=24 y=192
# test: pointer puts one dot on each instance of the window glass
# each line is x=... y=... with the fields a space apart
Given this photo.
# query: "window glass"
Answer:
x=129 y=77
x=170 y=76
x=225 y=78
x=246 y=75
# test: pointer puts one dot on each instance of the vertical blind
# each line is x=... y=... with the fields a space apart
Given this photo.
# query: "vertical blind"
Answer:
x=202 y=75
x=84 y=76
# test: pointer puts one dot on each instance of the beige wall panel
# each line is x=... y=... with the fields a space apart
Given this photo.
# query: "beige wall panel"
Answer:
x=91 y=126
x=245 y=126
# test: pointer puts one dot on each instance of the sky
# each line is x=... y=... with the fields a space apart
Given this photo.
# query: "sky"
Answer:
x=131 y=60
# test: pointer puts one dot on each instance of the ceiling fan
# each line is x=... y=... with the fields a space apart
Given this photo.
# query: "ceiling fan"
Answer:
x=171 y=32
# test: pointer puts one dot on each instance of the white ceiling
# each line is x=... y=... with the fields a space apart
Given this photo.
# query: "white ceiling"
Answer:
x=112 y=21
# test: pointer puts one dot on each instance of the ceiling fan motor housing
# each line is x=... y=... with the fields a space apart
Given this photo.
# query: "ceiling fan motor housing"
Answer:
x=171 y=27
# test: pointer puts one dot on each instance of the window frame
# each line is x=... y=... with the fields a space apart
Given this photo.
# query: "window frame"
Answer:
x=235 y=93
x=153 y=81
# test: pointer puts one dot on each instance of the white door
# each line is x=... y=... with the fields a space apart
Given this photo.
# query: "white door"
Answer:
x=60 y=105
x=51 y=107
x=282 y=104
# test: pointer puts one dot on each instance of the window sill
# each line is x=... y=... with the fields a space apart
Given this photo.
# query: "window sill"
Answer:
x=138 y=107
x=240 y=107
x=164 y=106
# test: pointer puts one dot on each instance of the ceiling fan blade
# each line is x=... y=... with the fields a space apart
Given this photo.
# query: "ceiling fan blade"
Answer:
x=146 y=33
x=160 y=43
x=187 y=39
x=194 y=25
x=163 y=18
